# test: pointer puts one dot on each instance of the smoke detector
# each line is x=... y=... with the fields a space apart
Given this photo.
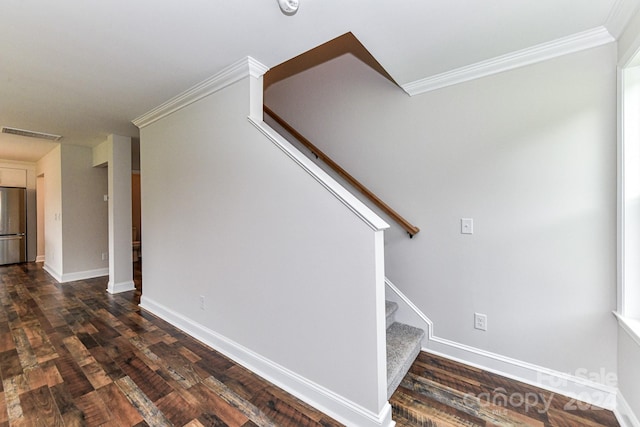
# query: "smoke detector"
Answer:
x=288 y=7
x=31 y=134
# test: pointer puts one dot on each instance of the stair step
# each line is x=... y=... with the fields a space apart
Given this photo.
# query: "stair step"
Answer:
x=390 y=308
x=403 y=346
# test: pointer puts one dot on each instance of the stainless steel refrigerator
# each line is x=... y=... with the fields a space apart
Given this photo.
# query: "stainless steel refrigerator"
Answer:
x=13 y=225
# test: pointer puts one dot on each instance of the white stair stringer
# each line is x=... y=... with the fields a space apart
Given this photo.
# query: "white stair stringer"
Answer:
x=407 y=312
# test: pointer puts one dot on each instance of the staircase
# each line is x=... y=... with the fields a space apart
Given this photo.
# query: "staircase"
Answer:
x=403 y=346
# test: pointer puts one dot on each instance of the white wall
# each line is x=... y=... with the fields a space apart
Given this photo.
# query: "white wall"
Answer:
x=51 y=167
x=285 y=270
x=115 y=155
x=84 y=213
x=75 y=214
x=529 y=154
x=629 y=243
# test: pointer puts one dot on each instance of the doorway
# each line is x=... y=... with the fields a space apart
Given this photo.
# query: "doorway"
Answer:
x=136 y=214
x=40 y=208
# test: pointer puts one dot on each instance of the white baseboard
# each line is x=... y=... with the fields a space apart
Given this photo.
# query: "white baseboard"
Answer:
x=572 y=386
x=72 y=277
x=82 y=275
x=116 y=288
x=314 y=394
x=52 y=272
x=569 y=385
x=625 y=414
x=40 y=258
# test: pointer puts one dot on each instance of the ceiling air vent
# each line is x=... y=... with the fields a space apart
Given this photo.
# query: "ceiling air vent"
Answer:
x=31 y=134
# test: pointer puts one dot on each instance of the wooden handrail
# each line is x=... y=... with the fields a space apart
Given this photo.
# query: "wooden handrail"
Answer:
x=410 y=228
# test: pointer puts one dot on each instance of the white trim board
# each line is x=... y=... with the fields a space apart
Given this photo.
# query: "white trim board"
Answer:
x=619 y=16
x=557 y=382
x=325 y=400
x=347 y=198
x=233 y=73
x=542 y=52
x=78 y=275
x=82 y=275
x=630 y=326
x=624 y=414
x=116 y=288
x=46 y=267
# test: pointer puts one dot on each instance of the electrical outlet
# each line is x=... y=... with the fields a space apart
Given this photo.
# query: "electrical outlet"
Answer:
x=201 y=302
x=480 y=321
x=105 y=256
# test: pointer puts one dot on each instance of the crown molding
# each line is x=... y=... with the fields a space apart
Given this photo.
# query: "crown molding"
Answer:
x=619 y=16
x=542 y=52
x=246 y=67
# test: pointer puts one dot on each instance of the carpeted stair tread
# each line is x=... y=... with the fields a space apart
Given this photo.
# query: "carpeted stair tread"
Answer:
x=403 y=346
x=390 y=309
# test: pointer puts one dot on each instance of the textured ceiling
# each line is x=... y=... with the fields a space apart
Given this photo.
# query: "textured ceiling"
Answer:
x=85 y=68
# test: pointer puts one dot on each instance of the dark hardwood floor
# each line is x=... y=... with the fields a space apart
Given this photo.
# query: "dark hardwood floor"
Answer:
x=74 y=355
x=440 y=392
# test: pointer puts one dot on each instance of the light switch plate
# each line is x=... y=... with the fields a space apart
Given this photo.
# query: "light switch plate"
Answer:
x=466 y=226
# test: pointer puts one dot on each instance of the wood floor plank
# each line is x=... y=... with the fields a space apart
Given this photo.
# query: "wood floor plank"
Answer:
x=77 y=350
x=148 y=380
x=217 y=408
x=281 y=412
x=194 y=423
x=418 y=412
x=4 y=415
x=109 y=366
x=39 y=406
x=12 y=399
x=73 y=377
x=247 y=408
x=51 y=373
x=36 y=378
x=142 y=403
x=6 y=341
x=66 y=405
x=10 y=363
x=123 y=413
x=415 y=404
x=26 y=355
x=276 y=394
x=94 y=411
x=210 y=419
x=243 y=382
x=180 y=368
x=177 y=410
x=96 y=375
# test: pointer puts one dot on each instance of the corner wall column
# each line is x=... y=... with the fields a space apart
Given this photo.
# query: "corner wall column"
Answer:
x=120 y=260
